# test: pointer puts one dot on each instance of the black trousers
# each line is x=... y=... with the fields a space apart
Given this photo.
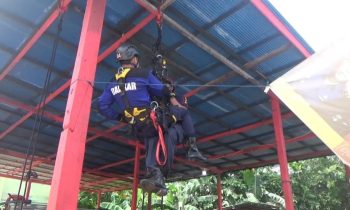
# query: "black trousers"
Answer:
x=172 y=137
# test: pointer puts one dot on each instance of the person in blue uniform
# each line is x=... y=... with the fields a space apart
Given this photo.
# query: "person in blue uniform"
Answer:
x=183 y=117
x=133 y=89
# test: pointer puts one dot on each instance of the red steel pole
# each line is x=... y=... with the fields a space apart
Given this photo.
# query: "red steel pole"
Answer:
x=149 y=203
x=219 y=190
x=136 y=177
x=29 y=185
x=98 y=203
x=347 y=173
x=70 y=155
x=282 y=153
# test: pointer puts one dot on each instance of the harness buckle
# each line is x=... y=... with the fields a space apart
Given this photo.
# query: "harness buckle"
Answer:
x=154 y=105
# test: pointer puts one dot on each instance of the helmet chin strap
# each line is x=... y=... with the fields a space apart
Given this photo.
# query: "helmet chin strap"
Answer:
x=128 y=65
x=136 y=65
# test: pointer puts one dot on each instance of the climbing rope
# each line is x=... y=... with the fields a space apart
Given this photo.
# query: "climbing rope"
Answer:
x=31 y=149
x=161 y=148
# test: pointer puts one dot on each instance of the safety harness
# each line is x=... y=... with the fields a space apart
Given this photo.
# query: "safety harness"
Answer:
x=133 y=115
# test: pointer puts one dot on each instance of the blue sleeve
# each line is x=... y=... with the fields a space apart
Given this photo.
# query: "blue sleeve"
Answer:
x=105 y=102
x=155 y=86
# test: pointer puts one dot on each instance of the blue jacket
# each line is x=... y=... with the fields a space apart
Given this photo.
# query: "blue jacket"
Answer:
x=140 y=86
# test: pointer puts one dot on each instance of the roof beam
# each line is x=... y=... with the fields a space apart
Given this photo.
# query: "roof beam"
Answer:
x=241 y=129
x=260 y=147
x=193 y=163
x=201 y=140
x=204 y=29
x=275 y=161
x=245 y=67
x=200 y=43
x=103 y=55
x=35 y=37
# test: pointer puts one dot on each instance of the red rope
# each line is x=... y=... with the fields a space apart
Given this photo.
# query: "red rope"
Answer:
x=159 y=17
x=161 y=148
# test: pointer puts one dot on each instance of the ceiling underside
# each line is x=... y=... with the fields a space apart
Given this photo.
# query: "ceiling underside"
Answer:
x=232 y=114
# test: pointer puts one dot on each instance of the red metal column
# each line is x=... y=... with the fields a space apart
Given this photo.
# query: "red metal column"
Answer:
x=29 y=185
x=136 y=176
x=149 y=203
x=219 y=190
x=347 y=173
x=70 y=155
x=281 y=151
x=98 y=203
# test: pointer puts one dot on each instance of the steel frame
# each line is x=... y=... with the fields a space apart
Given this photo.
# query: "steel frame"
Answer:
x=136 y=177
x=276 y=120
x=70 y=155
x=281 y=152
x=347 y=173
x=219 y=191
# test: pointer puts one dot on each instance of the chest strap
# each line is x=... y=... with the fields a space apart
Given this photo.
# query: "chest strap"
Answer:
x=131 y=114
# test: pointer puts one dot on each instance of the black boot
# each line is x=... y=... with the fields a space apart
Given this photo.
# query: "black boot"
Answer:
x=193 y=152
x=154 y=182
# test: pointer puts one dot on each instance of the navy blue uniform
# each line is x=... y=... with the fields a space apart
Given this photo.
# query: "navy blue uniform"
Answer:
x=184 y=118
x=140 y=86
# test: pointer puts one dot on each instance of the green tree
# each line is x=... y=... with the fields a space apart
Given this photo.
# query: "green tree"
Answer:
x=320 y=184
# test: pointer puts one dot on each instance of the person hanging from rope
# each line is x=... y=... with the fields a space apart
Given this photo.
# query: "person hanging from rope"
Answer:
x=183 y=117
x=132 y=90
x=179 y=111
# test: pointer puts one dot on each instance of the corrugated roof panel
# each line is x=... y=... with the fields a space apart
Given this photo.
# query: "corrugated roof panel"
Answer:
x=249 y=95
x=208 y=128
x=58 y=104
x=243 y=28
x=198 y=56
x=4 y=58
x=64 y=56
x=11 y=35
x=214 y=73
x=241 y=118
x=288 y=26
x=122 y=7
x=33 y=11
x=263 y=109
x=284 y=58
x=70 y=26
x=238 y=31
x=203 y=11
x=31 y=73
x=15 y=91
x=4 y=114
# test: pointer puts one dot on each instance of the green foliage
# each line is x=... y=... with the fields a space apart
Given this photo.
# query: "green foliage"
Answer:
x=317 y=184
x=87 y=200
x=320 y=184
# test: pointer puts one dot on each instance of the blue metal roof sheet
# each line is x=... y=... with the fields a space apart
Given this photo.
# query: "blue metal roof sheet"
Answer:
x=234 y=28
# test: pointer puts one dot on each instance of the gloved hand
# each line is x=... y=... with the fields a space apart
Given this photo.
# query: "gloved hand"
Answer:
x=175 y=102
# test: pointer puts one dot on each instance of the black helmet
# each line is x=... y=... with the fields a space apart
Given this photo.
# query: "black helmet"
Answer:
x=126 y=52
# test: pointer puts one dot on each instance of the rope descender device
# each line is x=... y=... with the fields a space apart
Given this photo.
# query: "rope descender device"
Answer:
x=161 y=147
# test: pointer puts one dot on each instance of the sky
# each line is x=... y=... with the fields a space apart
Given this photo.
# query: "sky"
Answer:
x=319 y=22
